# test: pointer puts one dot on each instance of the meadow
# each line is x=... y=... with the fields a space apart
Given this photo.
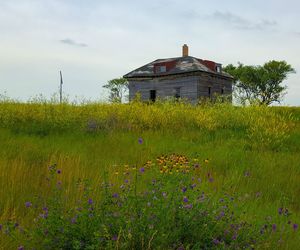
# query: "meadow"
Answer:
x=138 y=176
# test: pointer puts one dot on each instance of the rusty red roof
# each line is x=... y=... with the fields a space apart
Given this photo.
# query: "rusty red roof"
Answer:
x=178 y=65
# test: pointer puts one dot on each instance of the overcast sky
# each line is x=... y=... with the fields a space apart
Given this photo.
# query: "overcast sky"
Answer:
x=94 y=41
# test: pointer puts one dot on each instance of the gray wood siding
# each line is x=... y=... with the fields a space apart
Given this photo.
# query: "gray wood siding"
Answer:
x=216 y=84
x=192 y=87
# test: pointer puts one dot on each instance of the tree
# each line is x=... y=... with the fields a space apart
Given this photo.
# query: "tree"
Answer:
x=260 y=84
x=117 y=88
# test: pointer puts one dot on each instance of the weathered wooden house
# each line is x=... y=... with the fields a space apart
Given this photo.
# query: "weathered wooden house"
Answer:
x=181 y=77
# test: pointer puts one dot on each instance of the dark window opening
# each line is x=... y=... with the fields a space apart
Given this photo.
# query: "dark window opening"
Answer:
x=153 y=95
x=209 y=91
x=177 y=93
x=222 y=91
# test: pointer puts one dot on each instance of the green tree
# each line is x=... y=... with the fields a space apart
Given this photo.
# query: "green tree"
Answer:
x=260 y=84
x=117 y=88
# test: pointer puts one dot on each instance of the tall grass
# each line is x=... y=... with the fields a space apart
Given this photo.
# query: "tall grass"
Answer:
x=253 y=152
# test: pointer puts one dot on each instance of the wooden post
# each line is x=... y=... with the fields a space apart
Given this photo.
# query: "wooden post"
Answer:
x=60 y=88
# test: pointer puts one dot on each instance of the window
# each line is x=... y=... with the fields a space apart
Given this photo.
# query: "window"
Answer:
x=177 y=93
x=222 y=91
x=161 y=69
x=209 y=92
x=219 y=68
x=153 y=95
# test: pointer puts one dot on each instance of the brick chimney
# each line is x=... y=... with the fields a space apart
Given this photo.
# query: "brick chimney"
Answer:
x=185 y=50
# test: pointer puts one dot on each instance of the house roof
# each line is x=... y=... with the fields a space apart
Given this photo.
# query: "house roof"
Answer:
x=177 y=65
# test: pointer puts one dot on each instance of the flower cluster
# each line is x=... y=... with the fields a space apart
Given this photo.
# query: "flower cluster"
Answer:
x=173 y=163
x=167 y=212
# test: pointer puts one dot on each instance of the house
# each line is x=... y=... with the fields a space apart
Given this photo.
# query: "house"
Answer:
x=185 y=77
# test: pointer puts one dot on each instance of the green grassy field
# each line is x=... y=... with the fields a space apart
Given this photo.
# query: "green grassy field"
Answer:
x=253 y=153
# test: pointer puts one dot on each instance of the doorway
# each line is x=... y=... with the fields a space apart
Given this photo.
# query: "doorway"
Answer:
x=153 y=95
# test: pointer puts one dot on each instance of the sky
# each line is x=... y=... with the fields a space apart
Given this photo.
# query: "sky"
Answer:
x=95 y=41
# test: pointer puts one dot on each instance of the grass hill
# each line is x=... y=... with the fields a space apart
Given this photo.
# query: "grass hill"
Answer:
x=161 y=176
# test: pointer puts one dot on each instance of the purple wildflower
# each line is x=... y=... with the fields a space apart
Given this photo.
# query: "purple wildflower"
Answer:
x=115 y=195
x=211 y=179
x=58 y=171
x=280 y=211
x=28 y=204
x=114 y=238
x=184 y=189
x=90 y=201
x=140 y=140
x=164 y=194
x=216 y=241
x=1 y=227
x=44 y=216
x=193 y=186
x=73 y=220
x=234 y=237
x=185 y=199
x=188 y=206
x=122 y=186
x=126 y=181
x=142 y=170
x=274 y=227
x=20 y=248
x=295 y=226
